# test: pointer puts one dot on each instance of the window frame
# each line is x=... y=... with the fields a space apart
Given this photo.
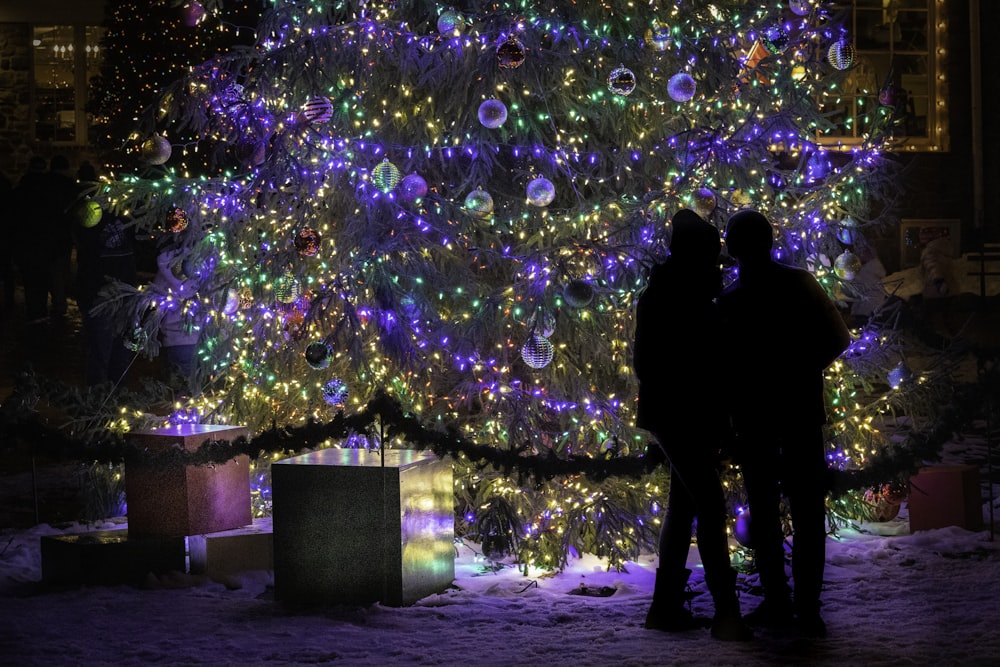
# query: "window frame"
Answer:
x=937 y=138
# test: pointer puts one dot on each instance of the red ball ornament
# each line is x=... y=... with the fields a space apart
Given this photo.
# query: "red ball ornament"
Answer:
x=510 y=53
x=177 y=220
x=307 y=242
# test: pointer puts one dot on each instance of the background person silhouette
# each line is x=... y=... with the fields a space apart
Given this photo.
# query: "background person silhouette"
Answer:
x=783 y=332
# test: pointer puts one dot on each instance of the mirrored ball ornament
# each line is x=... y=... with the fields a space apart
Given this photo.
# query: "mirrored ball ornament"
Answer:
x=450 y=22
x=510 y=53
x=307 y=242
x=318 y=354
x=385 y=176
x=841 y=54
x=540 y=191
x=537 y=351
x=621 y=81
x=335 y=392
x=578 y=293
x=847 y=265
x=479 y=203
x=156 y=150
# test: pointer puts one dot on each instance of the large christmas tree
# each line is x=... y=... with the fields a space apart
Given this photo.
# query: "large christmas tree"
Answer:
x=457 y=206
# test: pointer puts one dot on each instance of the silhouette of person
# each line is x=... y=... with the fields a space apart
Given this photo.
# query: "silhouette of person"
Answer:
x=104 y=251
x=7 y=222
x=783 y=332
x=30 y=239
x=61 y=195
x=677 y=361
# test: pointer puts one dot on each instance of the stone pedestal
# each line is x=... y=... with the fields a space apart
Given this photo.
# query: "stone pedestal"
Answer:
x=348 y=530
x=945 y=496
x=168 y=500
x=108 y=557
x=229 y=552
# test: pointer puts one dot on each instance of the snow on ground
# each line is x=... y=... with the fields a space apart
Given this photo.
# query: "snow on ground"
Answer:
x=890 y=598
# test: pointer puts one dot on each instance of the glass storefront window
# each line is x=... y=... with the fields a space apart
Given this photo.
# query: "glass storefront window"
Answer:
x=65 y=59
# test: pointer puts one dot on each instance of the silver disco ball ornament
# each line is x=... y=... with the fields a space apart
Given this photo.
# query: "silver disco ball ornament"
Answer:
x=537 y=351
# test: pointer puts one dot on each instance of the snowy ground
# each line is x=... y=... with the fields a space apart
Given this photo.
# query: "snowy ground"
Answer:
x=890 y=598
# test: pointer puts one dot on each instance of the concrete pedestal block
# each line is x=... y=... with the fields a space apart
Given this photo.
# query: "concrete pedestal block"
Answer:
x=108 y=557
x=246 y=549
x=945 y=495
x=170 y=500
x=348 y=530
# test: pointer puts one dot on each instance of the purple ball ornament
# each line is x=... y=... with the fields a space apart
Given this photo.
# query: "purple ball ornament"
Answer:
x=193 y=12
x=898 y=375
x=510 y=53
x=318 y=110
x=492 y=113
x=621 y=81
x=412 y=188
x=741 y=531
x=681 y=87
x=538 y=351
x=799 y=7
x=540 y=191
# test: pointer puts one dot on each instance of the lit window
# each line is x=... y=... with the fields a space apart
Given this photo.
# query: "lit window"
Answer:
x=65 y=59
x=899 y=63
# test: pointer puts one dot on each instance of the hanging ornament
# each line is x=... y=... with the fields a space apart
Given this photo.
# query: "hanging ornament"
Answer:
x=741 y=530
x=335 y=392
x=841 y=54
x=658 y=36
x=292 y=324
x=450 y=22
x=318 y=110
x=542 y=322
x=578 y=293
x=848 y=231
x=540 y=191
x=318 y=354
x=177 y=220
x=287 y=288
x=681 y=87
x=88 y=213
x=246 y=298
x=775 y=39
x=156 y=150
x=492 y=114
x=899 y=374
x=307 y=242
x=232 y=302
x=136 y=340
x=818 y=166
x=385 y=176
x=412 y=188
x=193 y=12
x=847 y=265
x=537 y=351
x=621 y=81
x=799 y=7
x=479 y=203
x=703 y=202
x=510 y=53
x=882 y=503
x=892 y=96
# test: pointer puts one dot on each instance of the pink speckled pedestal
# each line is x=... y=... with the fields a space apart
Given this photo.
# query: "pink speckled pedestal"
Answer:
x=173 y=500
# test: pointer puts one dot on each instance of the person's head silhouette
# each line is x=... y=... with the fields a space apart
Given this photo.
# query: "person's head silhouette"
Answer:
x=693 y=239
x=749 y=237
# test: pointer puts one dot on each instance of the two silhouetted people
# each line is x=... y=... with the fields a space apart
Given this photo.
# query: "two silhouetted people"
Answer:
x=748 y=363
